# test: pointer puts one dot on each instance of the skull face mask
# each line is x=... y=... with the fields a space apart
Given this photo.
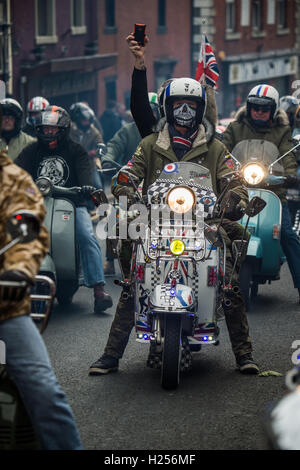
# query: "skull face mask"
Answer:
x=184 y=116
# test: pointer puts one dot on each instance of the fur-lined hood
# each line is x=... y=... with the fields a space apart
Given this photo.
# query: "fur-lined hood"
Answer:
x=210 y=118
x=281 y=118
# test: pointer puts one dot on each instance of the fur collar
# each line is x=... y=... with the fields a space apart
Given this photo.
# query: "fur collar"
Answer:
x=281 y=118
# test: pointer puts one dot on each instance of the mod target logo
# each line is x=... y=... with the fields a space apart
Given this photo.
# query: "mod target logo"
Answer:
x=171 y=168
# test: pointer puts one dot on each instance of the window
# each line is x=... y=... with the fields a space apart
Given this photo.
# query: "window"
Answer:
x=257 y=14
x=161 y=12
x=110 y=13
x=161 y=20
x=281 y=14
x=78 y=17
x=230 y=16
x=45 y=21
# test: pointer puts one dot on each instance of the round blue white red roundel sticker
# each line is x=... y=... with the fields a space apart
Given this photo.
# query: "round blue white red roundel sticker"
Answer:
x=170 y=168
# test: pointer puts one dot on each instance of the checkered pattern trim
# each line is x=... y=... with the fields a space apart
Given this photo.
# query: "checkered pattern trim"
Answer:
x=205 y=197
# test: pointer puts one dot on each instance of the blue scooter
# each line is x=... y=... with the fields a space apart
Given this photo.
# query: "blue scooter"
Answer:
x=258 y=164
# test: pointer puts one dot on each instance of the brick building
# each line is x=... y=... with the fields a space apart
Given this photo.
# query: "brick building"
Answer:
x=168 y=25
x=52 y=50
x=254 y=42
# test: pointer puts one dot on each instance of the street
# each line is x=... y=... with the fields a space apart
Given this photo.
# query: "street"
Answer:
x=214 y=407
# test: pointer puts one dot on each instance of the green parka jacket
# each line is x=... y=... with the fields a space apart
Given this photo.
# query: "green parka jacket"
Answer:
x=155 y=151
x=279 y=133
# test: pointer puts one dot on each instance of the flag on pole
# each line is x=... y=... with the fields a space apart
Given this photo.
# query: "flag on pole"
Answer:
x=207 y=68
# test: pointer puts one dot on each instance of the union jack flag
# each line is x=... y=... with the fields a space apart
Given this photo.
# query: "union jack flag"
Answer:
x=207 y=68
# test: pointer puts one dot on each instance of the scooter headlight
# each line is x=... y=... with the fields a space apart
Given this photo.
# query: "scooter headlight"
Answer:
x=181 y=199
x=253 y=173
x=44 y=185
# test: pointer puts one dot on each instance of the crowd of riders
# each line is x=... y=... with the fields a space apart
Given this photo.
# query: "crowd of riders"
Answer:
x=175 y=118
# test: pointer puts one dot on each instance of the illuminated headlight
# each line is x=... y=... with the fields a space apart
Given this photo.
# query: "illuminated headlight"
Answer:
x=177 y=247
x=253 y=173
x=181 y=199
x=44 y=185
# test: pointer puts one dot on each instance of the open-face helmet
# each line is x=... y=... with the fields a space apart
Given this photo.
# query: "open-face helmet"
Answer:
x=11 y=107
x=36 y=105
x=265 y=96
x=185 y=88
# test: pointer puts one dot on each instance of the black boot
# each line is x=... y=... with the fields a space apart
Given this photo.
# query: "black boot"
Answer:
x=102 y=299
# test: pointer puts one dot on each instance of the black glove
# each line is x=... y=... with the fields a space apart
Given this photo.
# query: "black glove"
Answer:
x=291 y=181
x=234 y=206
x=132 y=197
x=14 y=294
x=86 y=191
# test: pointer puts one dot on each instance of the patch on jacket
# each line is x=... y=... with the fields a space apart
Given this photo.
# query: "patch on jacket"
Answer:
x=228 y=161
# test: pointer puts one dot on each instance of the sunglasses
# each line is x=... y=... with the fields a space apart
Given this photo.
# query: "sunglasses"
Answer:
x=263 y=109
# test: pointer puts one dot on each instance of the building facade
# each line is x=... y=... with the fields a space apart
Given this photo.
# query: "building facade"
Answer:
x=254 y=42
x=168 y=26
x=53 y=50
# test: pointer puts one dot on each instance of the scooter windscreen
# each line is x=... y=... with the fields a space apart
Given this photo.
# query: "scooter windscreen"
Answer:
x=258 y=151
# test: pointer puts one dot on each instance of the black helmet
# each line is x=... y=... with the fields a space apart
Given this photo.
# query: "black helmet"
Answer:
x=11 y=107
x=80 y=112
x=53 y=116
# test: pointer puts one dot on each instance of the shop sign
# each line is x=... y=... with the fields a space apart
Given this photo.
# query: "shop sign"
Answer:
x=261 y=69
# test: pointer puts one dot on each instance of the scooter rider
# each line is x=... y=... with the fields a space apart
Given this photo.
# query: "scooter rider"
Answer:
x=86 y=134
x=262 y=119
x=13 y=139
x=36 y=105
x=184 y=137
x=66 y=163
x=27 y=361
x=289 y=104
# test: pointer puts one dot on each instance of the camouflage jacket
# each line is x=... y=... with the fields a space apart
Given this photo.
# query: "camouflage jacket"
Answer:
x=19 y=192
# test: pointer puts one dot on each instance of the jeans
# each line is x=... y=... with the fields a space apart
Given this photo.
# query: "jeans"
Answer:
x=90 y=250
x=28 y=365
x=290 y=245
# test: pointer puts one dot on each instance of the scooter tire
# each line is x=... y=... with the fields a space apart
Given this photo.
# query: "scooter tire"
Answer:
x=171 y=356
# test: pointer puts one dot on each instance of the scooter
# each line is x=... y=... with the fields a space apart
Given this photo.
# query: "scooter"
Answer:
x=177 y=275
x=62 y=263
x=293 y=195
x=16 y=431
x=258 y=164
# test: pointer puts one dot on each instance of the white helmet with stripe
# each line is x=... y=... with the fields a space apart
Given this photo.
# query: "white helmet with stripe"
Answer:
x=264 y=95
x=34 y=106
x=184 y=88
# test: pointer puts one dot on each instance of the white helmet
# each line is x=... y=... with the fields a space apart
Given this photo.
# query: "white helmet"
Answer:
x=34 y=106
x=264 y=95
x=181 y=88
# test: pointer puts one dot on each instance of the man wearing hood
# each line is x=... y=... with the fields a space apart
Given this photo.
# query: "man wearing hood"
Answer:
x=262 y=119
x=187 y=135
